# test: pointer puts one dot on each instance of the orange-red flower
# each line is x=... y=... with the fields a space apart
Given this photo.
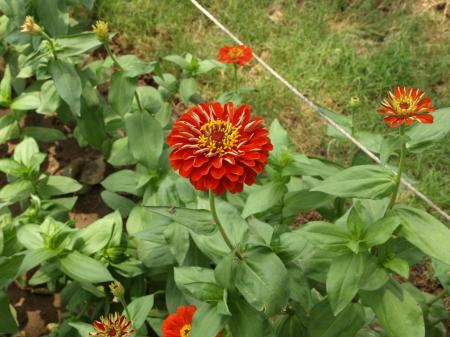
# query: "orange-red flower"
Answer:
x=219 y=147
x=179 y=324
x=235 y=54
x=405 y=106
x=115 y=325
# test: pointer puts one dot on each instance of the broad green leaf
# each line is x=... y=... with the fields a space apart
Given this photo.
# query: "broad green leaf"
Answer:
x=46 y=135
x=121 y=92
x=198 y=220
x=139 y=309
x=374 y=276
x=121 y=181
x=58 y=185
x=34 y=258
x=207 y=322
x=27 y=101
x=8 y=322
x=343 y=279
x=134 y=67
x=199 y=283
x=120 y=154
x=178 y=240
x=261 y=278
x=323 y=323
x=78 y=43
x=54 y=16
x=150 y=98
x=30 y=236
x=10 y=269
x=264 y=198
x=178 y=60
x=67 y=83
x=83 y=268
x=188 y=89
x=145 y=138
x=25 y=150
x=290 y=326
x=425 y=232
x=299 y=288
x=10 y=167
x=19 y=189
x=364 y=181
x=303 y=201
x=396 y=310
x=305 y=166
x=325 y=235
x=49 y=98
x=117 y=202
x=278 y=137
x=83 y=328
x=5 y=87
x=398 y=266
x=381 y=231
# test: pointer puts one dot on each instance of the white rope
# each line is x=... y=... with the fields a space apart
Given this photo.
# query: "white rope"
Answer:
x=317 y=109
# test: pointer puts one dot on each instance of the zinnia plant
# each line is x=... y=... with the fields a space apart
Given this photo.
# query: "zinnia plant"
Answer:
x=405 y=106
x=116 y=325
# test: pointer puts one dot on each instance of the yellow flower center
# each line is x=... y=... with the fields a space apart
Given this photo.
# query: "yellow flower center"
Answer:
x=185 y=330
x=235 y=52
x=405 y=105
x=218 y=136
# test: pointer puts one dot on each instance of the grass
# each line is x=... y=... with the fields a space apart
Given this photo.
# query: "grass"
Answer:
x=330 y=50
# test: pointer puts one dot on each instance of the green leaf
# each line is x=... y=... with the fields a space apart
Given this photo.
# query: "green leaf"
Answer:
x=67 y=83
x=120 y=154
x=54 y=16
x=290 y=326
x=25 y=150
x=442 y=272
x=177 y=237
x=198 y=220
x=374 y=276
x=381 y=231
x=77 y=44
x=121 y=92
x=150 y=98
x=264 y=198
x=325 y=235
x=49 y=98
x=261 y=278
x=8 y=322
x=304 y=166
x=19 y=189
x=27 y=101
x=34 y=258
x=303 y=201
x=139 y=309
x=178 y=60
x=278 y=137
x=323 y=323
x=207 y=322
x=188 y=89
x=5 y=87
x=425 y=232
x=363 y=181
x=142 y=130
x=83 y=268
x=10 y=167
x=118 y=202
x=396 y=310
x=121 y=181
x=398 y=266
x=343 y=279
x=46 y=135
x=30 y=237
x=58 y=185
x=83 y=328
x=10 y=269
x=134 y=67
x=199 y=283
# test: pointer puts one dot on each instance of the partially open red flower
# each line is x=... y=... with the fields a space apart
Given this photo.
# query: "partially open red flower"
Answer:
x=115 y=325
x=235 y=54
x=405 y=106
x=219 y=147
x=179 y=324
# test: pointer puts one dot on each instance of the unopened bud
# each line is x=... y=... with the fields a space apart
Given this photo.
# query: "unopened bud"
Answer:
x=31 y=27
x=354 y=102
x=117 y=289
x=100 y=29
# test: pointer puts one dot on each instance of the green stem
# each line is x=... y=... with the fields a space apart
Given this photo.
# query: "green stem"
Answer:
x=118 y=66
x=52 y=45
x=124 y=304
x=353 y=121
x=235 y=79
x=212 y=203
x=400 y=170
x=437 y=297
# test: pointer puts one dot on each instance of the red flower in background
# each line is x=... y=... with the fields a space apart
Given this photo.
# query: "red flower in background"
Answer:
x=219 y=147
x=235 y=54
x=115 y=325
x=406 y=106
x=179 y=324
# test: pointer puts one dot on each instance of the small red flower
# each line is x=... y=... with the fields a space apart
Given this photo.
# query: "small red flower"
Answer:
x=115 y=325
x=179 y=324
x=406 y=106
x=219 y=147
x=235 y=54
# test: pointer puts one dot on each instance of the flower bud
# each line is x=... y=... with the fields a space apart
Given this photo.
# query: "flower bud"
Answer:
x=117 y=289
x=31 y=27
x=354 y=102
x=100 y=29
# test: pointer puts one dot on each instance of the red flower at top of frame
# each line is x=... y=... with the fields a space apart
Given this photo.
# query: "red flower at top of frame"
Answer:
x=179 y=324
x=115 y=325
x=235 y=54
x=219 y=147
x=405 y=106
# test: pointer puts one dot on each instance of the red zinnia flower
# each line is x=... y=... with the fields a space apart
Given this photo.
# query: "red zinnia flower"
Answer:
x=406 y=106
x=219 y=147
x=115 y=325
x=235 y=54
x=179 y=324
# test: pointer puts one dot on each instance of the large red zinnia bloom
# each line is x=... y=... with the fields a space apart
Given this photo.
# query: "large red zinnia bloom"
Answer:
x=235 y=54
x=179 y=324
x=219 y=147
x=405 y=106
x=115 y=325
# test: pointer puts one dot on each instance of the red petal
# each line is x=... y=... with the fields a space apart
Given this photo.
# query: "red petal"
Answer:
x=424 y=118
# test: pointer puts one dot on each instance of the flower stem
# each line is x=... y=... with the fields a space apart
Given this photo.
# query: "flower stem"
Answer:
x=400 y=170
x=212 y=203
x=118 y=66
x=235 y=79
x=353 y=121
x=124 y=304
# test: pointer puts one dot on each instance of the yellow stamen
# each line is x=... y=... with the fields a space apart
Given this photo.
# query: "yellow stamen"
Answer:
x=405 y=105
x=218 y=136
x=185 y=330
x=235 y=52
